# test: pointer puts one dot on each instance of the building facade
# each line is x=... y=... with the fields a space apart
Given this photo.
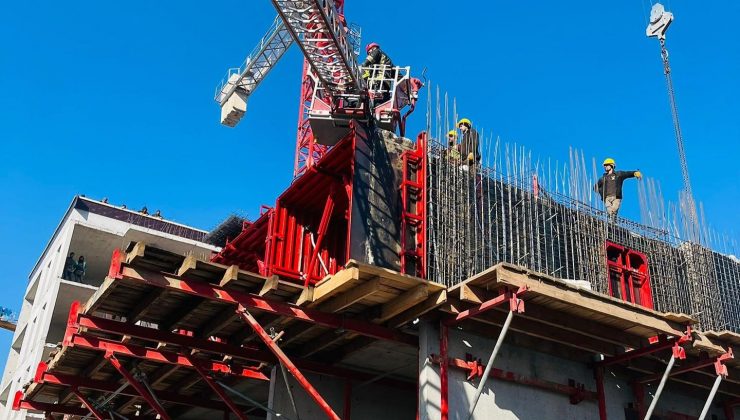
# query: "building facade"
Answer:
x=92 y=229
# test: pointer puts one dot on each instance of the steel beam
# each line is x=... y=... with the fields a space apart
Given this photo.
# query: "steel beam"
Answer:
x=95 y=412
x=600 y=392
x=21 y=404
x=275 y=307
x=217 y=389
x=143 y=391
x=662 y=344
x=109 y=387
x=285 y=360
x=515 y=305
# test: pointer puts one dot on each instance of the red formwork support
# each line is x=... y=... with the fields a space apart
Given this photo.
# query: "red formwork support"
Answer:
x=474 y=369
x=95 y=412
x=414 y=201
x=143 y=391
x=628 y=275
x=217 y=389
x=285 y=361
x=19 y=403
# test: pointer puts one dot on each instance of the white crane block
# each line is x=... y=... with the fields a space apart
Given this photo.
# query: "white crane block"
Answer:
x=235 y=106
x=660 y=20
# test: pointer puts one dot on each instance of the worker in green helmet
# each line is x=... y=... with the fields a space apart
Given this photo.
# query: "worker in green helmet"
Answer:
x=609 y=186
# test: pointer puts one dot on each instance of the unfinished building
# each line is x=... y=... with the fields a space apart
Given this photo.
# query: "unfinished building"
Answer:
x=390 y=280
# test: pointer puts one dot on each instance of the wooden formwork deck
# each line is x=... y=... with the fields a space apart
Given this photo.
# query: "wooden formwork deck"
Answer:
x=175 y=306
x=152 y=290
x=582 y=323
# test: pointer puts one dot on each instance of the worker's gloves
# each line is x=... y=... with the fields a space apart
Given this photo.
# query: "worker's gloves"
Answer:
x=638 y=174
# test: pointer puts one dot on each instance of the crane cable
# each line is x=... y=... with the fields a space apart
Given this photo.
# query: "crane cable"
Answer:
x=692 y=216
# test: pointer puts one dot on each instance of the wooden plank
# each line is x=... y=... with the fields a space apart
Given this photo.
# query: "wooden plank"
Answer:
x=403 y=302
x=135 y=252
x=590 y=303
x=230 y=275
x=472 y=294
x=306 y=296
x=351 y=297
x=218 y=322
x=434 y=301
x=144 y=305
x=335 y=284
x=271 y=284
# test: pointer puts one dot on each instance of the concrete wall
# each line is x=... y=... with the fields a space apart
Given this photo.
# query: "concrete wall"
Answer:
x=506 y=400
x=375 y=236
x=369 y=402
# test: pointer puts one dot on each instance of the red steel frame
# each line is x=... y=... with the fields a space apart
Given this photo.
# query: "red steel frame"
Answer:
x=413 y=200
x=307 y=151
x=95 y=412
x=662 y=343
x=142 y=390
x=474 y=369
x=631 y=268
x=285 y=361
x=250 y=301
x=515 y=305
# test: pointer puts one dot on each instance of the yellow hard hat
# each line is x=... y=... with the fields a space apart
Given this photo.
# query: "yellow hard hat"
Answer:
x=465 y=121
x=609 y=161
x=452 y=133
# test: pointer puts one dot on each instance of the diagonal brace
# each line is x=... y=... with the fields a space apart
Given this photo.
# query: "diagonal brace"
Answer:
x=143 y=391
x=283 y=358
x=95 y=412
x=216 y=388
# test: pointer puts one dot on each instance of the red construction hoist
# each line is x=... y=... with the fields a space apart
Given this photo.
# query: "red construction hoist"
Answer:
x=413 y=219
x=628 y=275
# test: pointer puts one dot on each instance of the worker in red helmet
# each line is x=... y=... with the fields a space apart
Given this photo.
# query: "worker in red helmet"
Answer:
x=377 y=65
x=609 y=186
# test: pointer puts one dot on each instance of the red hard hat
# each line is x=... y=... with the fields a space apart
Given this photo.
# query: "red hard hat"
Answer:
x=370 y=46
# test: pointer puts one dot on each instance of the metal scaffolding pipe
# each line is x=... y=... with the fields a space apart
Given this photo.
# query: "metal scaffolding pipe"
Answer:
x=489 y=366
x=710 y=398
x=663 y=380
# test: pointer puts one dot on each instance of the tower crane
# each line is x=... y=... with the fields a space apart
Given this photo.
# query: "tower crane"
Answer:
x=660 y=20
x=333 y=91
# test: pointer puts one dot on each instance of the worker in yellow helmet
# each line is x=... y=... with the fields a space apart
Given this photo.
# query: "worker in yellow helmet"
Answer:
x=453 y=149
x=469 y=143
x=609 y=186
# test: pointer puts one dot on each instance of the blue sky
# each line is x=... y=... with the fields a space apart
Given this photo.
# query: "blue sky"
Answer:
x=115 y=99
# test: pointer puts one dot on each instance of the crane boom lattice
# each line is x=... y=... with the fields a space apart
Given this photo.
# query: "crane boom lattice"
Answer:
x=320 y=31
x=240 y=82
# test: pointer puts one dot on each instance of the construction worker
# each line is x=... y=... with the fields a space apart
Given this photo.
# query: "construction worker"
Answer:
x=377 y=59
x=69 y=266
x=453 y=149
x=469 y=145
x=609 y=186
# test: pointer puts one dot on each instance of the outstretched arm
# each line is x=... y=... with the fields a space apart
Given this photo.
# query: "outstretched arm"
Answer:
x=630 y=174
